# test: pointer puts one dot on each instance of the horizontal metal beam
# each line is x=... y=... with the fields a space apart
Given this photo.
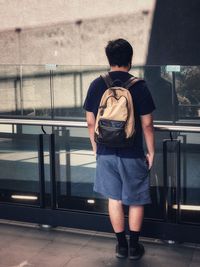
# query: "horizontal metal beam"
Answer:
x=177 y=128
x=83 y=124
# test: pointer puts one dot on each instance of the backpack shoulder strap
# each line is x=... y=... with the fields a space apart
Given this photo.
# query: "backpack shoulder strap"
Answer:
x=131 y=81
x=107 y=79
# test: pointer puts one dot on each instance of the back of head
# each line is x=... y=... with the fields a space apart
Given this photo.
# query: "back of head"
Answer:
x=119 y=53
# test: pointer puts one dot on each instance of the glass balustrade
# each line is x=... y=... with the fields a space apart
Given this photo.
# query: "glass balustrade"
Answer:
x=56 y=93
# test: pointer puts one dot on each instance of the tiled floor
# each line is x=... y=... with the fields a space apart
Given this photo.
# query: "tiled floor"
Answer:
x=29 y=246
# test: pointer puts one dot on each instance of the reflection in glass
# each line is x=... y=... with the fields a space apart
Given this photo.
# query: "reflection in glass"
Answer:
x=19 y=175
x=188 y=90
x=190 y=177
x=58 y=93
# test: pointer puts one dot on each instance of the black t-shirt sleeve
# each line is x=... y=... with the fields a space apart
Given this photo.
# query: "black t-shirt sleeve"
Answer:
x=94 y=95
x=145 y=103
x=90 y=103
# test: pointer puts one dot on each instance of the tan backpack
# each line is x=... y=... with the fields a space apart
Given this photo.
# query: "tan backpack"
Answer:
x=115 y=122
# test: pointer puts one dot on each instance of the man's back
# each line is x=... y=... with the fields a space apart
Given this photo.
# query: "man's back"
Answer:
x=143 y=104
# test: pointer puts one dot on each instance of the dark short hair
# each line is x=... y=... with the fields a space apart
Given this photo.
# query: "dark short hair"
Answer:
x=119 y=52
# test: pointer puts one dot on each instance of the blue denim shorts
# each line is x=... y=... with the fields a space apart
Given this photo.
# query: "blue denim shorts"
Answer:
x=125 y=179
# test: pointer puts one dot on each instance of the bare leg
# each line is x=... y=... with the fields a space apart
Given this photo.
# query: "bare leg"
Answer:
x=136 y=214
x=136 y=249
x=116 y=214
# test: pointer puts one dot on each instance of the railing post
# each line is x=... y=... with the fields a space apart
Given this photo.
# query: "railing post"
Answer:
x=175 y=186
x=68 y=163
x=178 y=181
x=41 y=171
x=165 y=178
x=52 y=171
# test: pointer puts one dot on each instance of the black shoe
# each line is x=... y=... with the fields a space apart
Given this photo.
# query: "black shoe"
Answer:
x=121 y=252
x=136 y=253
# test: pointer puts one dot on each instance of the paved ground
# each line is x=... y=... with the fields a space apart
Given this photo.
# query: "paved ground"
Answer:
x=29 y=246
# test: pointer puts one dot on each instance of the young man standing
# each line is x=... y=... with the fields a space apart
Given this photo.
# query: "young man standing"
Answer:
x=122 y=174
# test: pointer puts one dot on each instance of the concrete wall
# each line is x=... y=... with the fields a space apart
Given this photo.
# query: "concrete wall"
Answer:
x=175 y=34
x=71 y=32
x=75 y=32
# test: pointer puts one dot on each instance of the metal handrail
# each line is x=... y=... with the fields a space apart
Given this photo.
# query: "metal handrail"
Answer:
x=83 y=124
x=177 y=128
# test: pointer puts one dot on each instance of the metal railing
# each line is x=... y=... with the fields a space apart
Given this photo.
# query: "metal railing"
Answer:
x=83 y=124
x=49 y=211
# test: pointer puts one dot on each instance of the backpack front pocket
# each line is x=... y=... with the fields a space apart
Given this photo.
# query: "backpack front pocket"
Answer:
x=111 y=131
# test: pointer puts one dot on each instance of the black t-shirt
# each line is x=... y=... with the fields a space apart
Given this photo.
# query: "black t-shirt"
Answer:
x=142 y=102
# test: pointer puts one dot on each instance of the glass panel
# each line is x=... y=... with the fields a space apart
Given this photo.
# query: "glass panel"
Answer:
x=160 y=84
x=171 y=177
x=67 y=86
x=183 y=201
x=10 y=90
x=188 y=91
x=19 y=171
x=59 y=91
x=157 y=209
x=70 y=88
x=36 y=92
x=75 y=173
x=25 y=91
x=190 y=177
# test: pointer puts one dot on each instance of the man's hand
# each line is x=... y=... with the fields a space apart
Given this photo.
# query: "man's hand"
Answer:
x=150 y=158
x=91 y=127
x=147 y=126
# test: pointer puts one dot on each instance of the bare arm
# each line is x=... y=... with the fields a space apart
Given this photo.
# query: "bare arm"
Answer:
x=91 y=127
x=148 y=130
